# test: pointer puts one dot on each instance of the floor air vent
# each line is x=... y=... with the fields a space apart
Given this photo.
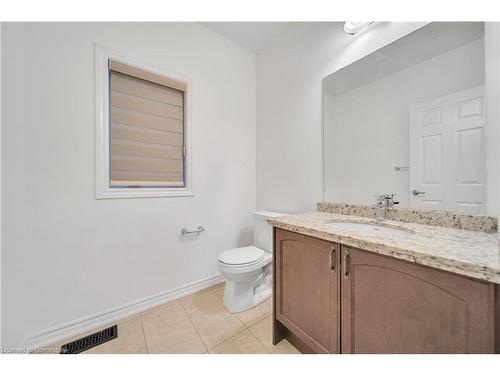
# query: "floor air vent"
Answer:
x=87 y=342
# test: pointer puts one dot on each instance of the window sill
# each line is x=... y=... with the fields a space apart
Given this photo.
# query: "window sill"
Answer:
x=143 y=193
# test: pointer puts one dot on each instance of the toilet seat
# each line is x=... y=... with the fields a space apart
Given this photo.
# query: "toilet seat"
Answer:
x=242 y=256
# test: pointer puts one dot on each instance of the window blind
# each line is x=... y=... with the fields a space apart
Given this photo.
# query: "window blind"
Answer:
x=147 y=128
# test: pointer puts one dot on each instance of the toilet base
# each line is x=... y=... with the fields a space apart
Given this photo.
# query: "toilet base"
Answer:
x=245 y=294
x=237 y=300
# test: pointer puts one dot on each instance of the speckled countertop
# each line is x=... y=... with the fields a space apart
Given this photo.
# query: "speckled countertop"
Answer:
x=469 y=253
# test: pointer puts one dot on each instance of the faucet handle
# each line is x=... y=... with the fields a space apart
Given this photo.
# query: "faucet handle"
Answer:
x=386 y=200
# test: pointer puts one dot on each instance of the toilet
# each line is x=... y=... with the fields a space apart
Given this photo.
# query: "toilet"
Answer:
x=247 y=270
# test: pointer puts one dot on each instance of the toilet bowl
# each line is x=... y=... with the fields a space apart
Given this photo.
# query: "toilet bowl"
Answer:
x=247 y=270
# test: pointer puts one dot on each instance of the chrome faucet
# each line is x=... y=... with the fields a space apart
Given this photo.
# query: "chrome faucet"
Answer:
x=384 y=201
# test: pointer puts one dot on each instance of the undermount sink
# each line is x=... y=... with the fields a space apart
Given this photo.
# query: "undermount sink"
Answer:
x=370 y=229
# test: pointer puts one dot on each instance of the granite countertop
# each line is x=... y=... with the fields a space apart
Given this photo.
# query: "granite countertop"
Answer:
x=470 y=253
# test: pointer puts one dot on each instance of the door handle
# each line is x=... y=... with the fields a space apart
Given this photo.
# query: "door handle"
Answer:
x=417 y=192
x=346 y=265
x=332 y=259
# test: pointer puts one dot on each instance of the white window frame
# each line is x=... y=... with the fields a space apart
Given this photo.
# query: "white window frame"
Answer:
x=102 y=130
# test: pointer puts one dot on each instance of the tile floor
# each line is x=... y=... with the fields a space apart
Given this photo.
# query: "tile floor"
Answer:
x=196 y=324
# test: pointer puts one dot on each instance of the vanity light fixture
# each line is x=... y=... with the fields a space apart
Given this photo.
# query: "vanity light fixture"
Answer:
x=354 y=27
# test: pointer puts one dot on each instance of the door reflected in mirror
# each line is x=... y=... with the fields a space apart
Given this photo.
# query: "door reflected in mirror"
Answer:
x=409 y=119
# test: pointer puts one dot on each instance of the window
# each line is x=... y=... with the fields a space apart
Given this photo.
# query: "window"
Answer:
x=147 y=128
x=144 y=135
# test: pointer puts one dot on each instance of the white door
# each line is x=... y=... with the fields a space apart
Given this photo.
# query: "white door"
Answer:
x=447 y=153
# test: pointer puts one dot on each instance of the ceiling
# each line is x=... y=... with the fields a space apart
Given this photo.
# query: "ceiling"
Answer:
x=253 y=36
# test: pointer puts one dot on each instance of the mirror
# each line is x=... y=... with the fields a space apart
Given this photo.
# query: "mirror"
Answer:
x=409 y=119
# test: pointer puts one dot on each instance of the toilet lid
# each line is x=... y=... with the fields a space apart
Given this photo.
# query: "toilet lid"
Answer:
x=241 y=255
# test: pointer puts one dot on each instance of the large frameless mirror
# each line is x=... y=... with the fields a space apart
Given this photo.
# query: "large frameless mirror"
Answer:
x=409 y=119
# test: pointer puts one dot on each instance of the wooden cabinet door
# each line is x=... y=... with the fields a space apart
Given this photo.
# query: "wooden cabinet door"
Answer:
x=307 y=290
x=393 y=306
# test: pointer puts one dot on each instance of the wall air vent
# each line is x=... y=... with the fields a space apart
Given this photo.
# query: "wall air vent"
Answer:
x=87 y=342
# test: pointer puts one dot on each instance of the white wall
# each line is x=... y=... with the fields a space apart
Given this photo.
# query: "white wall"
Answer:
x=289 y=109
x=1 y=127
x=66 y=255
x=492 y=86
x=362 y=147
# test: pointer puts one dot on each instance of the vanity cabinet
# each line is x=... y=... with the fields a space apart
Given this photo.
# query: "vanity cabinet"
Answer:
x=331 y=298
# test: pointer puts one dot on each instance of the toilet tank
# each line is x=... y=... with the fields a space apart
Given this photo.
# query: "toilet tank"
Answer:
x=264 y=231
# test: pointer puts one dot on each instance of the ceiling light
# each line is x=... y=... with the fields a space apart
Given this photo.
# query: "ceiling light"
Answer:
x=354 y=27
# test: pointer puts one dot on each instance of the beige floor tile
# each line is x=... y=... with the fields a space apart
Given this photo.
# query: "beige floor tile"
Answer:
x=242 y=343
x=263 y=332
x=198 y=294
x=212 y=321
x=161 y=307
x=251 y=316
x=168 y=330
x=176 y=327
x=255 y=314
x=219 y=291
x=130 y=339
x=217 y=286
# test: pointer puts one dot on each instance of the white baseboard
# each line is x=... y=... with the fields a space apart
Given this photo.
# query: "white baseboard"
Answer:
x=75 y=327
